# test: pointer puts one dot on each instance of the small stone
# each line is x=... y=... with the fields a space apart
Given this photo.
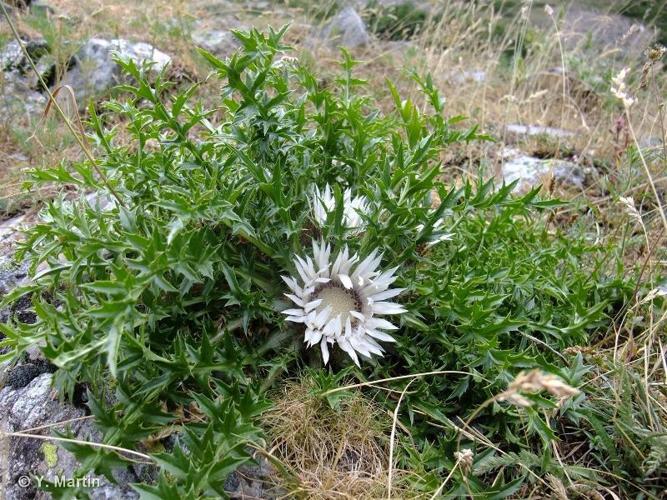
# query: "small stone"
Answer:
x=10 y=56
x=11 y=274
x=474 y=75
x=101 y=202
x=530 y=171
x=253 y=480
x=346 y=29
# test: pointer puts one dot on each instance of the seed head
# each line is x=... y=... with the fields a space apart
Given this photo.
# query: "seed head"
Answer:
x=464 y=458
x=533 y=382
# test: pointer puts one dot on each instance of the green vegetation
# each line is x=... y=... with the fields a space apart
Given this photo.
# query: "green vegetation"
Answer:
x=528 y=361
x=162 y=296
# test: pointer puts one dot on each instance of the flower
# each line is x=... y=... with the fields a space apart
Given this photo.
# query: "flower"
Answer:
x=324 y=202
x=619 y=88
x=549 y=10
x=339 y=301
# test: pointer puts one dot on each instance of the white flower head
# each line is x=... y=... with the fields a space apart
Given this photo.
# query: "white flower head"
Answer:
x=324 y=202
x=339 y=301
x=549 y=10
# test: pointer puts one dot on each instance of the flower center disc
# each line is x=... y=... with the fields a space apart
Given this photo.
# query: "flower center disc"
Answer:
x=340 y=300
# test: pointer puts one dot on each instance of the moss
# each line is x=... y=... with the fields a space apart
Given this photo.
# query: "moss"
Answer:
x=50 y=451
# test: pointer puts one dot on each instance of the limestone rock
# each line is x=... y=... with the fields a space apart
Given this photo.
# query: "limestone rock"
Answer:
x=538 y=130
x=605 y=32
x=346 y=29
x=530 y=171
x=95 y=71
x=19 y=86
x=34 y=405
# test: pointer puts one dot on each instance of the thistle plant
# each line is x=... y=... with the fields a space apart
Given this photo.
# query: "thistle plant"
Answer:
x=166 y=310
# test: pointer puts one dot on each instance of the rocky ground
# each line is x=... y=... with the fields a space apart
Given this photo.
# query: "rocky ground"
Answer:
x=27 y=400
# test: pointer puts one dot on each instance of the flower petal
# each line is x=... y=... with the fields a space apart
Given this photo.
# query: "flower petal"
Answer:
x=380 y=336
x=387 y=294
x=291 y=283
x=346 y=281
x=313 y=304
x=375 y=323
x=358 y=315
x=345 y=346
x=325 y=351
x=387 y=308
x=294 y=312
x=298 y=301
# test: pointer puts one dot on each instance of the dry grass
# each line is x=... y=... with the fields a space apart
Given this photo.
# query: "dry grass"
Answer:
x=534 y=89
x=339 y=452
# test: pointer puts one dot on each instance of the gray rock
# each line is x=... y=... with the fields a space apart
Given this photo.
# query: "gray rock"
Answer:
x=538 y=130
x=346 y=29
x=95 y=71
x=220 y=43
x=651 y=142
x=18 y=99
x=9 y=8
x=530 y=171
x=604 y=32
x=11 y=276
x=35 y=405
x=254 y=481
x=19 y=83
x=100 y=202
x=425 y=5
x=13 y=58
x=10 y=56
x=9 y=230
x=25 y=373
